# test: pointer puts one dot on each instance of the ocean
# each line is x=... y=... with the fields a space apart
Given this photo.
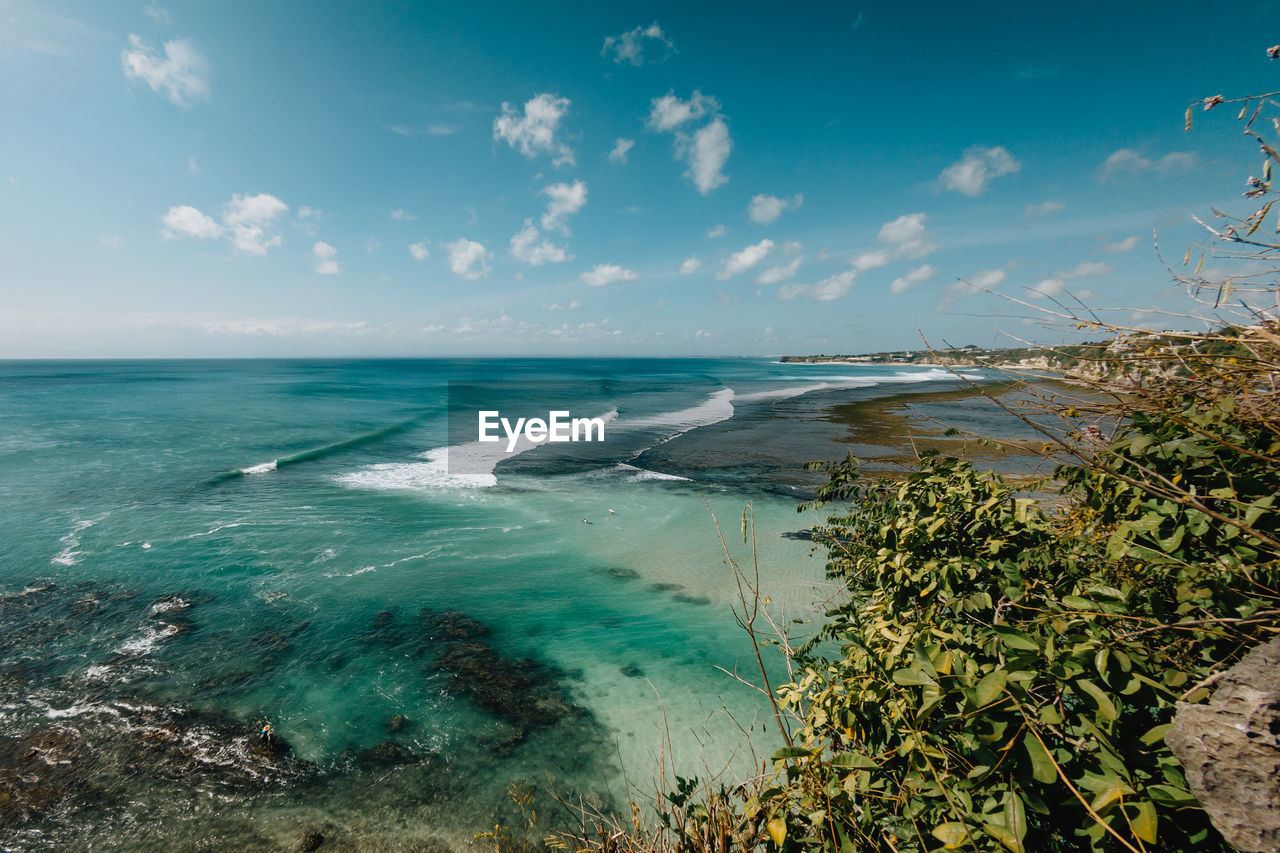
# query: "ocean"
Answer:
x=192 y=549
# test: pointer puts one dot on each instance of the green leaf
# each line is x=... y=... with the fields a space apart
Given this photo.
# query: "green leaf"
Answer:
x=1016 y=640
x=952 y=834
x=854 y=760
x=1015 y=817
x=777 y=830
x=989 y=688
x=1075 y=602
x=791 y=752
x=1105 y=706
x=1042 y=768
x=1144 y=822
x=913 y=678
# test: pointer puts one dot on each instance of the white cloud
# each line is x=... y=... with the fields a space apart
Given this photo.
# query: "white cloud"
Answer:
x=871 y=260
x=630 y=46
x=1126 y=245
x=607 y=274
x=917 y=276
x=186 y=221
x=789 y=292
x=621 y=147
x=717 y=231
x=326 y=263
x=419 y=251
x=468 y=259
x=181 y=74
x=572 y=306
x=1126 y=160
x=526 y=248
x=428 y=130
x=765 y=208
x=258 y=209
x=192 y=166
x=1044 y=208
x=834 y=287
x=792 y=248
x=988 y=279
x=248 y=217
x=781 y=272
x=907 y=236
x=372 y=245
x=669 y=112
x=534 y=132
x=706 y=154
x=565 y=200
x=156 y=13
x=1085 y=268
x=979 y=166
x=1048 y=288
x=705 y=150
x=402 y=215
x=741 y=261
x=690 y=266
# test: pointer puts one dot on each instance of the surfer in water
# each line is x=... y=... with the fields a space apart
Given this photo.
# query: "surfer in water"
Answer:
x=586 y=521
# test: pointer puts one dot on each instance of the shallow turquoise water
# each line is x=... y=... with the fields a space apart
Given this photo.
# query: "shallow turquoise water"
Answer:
x=141 y=569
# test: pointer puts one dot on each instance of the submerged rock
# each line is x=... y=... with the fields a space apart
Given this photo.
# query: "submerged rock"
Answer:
x=631 y=671
x=398 y=723
x=312 y=841
x=387 y=754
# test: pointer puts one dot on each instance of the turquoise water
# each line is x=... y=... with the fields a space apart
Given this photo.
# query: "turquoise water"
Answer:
x=191 y=549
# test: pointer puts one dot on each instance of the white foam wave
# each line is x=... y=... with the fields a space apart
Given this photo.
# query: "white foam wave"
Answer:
x=716 y=408
x=174 y=603
x=351 y=574
x=264 y=468
x=458 y=466
x=638 y=475
x=69 y=555
x=147 y=640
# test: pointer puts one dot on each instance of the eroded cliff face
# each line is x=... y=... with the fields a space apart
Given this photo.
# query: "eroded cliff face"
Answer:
x=1230 y=749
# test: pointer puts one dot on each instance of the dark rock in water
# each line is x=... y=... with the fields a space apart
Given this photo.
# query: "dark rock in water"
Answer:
x=312 y=841
x=524 y=693
x=452 y=625
x=801 y=535
x=632 y=671
x=386 y=754
x=665 y=587
x=1230 y=751
x=398 y=723
x=383 y=619
x=623 y=573
x=686 y=598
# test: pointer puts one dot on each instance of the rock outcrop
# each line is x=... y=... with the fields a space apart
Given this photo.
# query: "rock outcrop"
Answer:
x=1230 y=750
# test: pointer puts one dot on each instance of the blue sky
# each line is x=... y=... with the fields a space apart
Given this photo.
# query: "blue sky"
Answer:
x=258 y=179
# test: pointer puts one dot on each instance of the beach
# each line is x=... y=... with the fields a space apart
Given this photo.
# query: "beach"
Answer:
x=194 y=549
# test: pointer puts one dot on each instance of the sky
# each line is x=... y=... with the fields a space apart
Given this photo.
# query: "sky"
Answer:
x=247 y=179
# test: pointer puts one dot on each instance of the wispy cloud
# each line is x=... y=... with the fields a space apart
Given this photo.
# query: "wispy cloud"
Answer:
x=707 y=149
x=1128 y=161
x=419 y=251
x=979 y=166
x=526 y=248
x=468 y=259
x=1044 y=208
x=690 y=266
x=246 y=221
x=766 y=208
x=629 y=48
x=426 y=130
x=563 y=200
x=913 y=279
x=533 y=129
x=1121 y=246
x=907 y=236
x=604 y=274
x=326 y=258
x=181 y=73
x=621 y=148
x=745 y=259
